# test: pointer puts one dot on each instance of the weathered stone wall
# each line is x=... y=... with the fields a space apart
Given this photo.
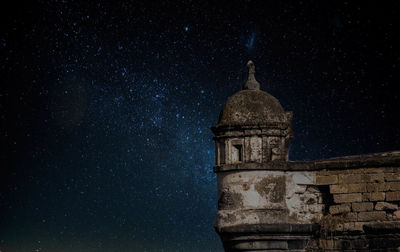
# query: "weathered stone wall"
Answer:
x=348 y=203
x=362 y=195
x=268 y=197
x=362 y=203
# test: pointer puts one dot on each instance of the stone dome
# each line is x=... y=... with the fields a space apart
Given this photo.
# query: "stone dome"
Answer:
x=251 y=106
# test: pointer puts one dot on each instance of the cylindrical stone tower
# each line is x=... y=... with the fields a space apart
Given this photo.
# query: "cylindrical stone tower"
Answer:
x=252 y=139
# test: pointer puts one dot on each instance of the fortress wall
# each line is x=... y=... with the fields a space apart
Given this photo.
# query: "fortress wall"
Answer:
x=361 y=202
x=362 y=195
x=347 y=203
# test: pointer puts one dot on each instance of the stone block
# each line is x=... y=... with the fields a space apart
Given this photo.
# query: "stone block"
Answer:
x=373 y=196
x=337 y=209
x=350 y=178
x=348 y=197
x=392 y=176
x=394 y=186
x=396 y=215
x=386 y=206
x=361 y=177
x=377 y=187
x=374 y=177
x=303 y=178
x=348 y=217
x=341 y=188
x=348 y=188
x=356 y=188
x=327 y=180
x=371 y=216
x=392 y=196
x=376 y=196
x=362 y=206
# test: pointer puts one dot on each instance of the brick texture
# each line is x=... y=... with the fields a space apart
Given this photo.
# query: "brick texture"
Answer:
x=377 y=187
x=350 y=178
x=392 y=176
x=349 y=197
x=371 y=216
x=362 y=206
x=394 y=186
x=386 y=206
x=337 y=209
x=362 y=196
x=327 y=180
x=373 y=196
x=392 y=196
x=348 y=188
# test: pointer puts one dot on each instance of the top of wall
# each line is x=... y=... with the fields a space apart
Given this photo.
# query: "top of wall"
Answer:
x=384 y=159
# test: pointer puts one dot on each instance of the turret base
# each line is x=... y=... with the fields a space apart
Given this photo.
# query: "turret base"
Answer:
x=273 y=237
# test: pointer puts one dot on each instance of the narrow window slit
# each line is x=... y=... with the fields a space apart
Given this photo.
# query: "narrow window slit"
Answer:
x=237 y=152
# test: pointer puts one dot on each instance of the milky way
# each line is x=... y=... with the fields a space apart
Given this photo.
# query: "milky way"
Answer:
x=250 y=43
x=106 y=110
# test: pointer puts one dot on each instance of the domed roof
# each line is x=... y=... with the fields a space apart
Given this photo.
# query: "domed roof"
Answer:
x=251 y=106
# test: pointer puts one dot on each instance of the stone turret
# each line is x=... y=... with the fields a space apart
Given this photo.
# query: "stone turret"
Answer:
x=253 y=133
x=252 y=127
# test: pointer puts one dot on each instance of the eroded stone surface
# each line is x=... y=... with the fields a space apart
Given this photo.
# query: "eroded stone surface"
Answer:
x=386 y=206
x=273 y=188
x=251 y=107
x=230 y=200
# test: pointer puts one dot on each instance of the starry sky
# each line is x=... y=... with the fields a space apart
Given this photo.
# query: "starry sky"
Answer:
x=106 y=109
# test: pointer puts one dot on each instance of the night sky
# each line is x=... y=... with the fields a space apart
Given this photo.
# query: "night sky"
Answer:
x=106 y=109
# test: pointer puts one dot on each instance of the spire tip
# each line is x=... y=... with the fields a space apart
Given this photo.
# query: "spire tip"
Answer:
x=251 y=83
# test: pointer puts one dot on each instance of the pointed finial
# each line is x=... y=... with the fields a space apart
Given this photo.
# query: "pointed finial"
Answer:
x=251 y=82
